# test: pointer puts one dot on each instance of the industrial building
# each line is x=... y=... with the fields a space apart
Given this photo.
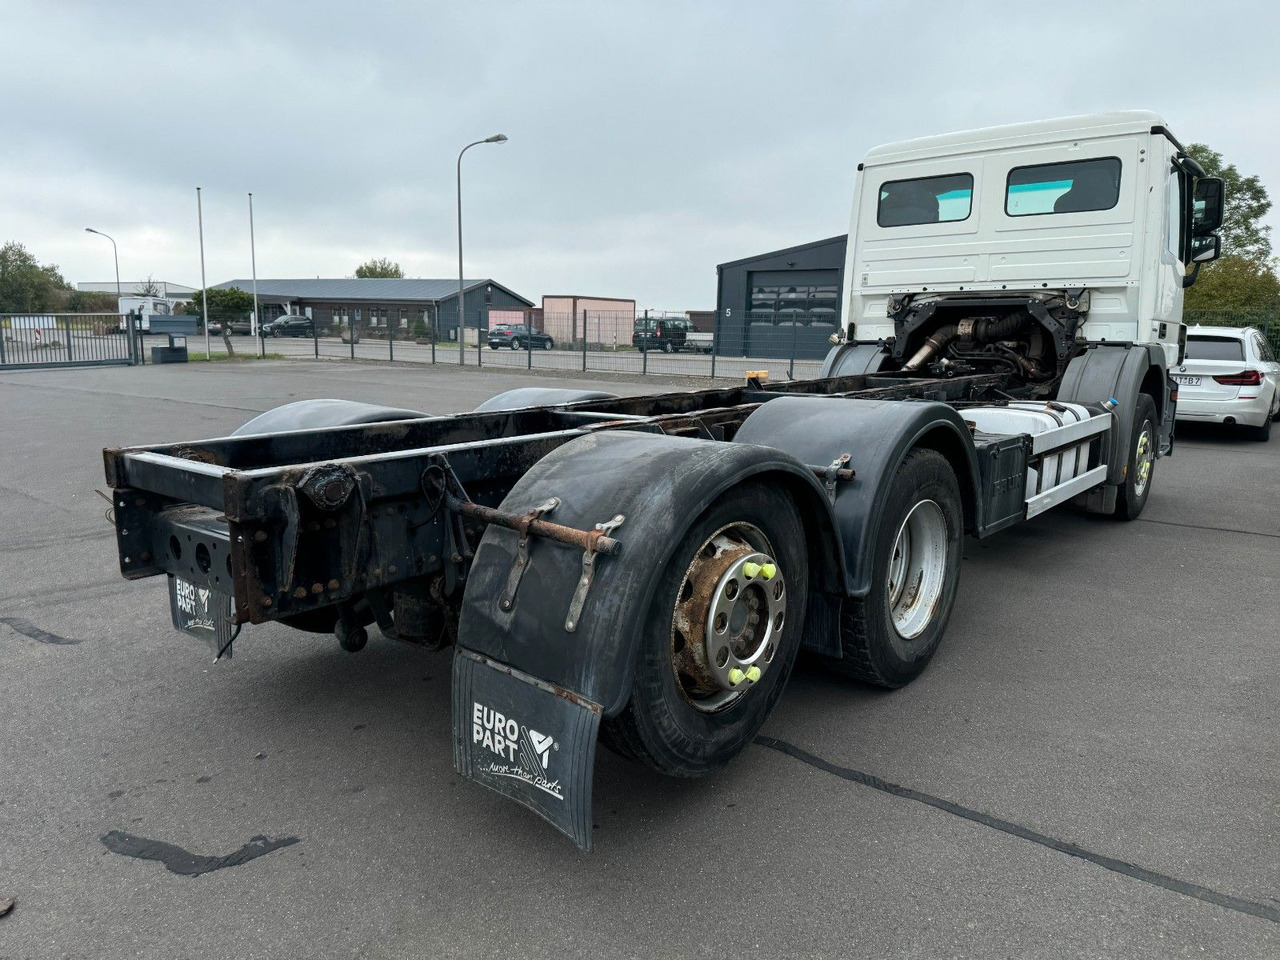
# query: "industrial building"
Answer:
x=783 y=302
x=383 y=302
x=604 y=319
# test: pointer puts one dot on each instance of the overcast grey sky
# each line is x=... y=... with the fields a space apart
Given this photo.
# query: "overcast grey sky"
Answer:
x=649 y=141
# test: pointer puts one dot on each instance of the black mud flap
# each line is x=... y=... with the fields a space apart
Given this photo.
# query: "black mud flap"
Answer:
x=528 y=740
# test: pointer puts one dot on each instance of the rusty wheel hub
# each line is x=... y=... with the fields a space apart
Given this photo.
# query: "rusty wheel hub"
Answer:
x=728 y=619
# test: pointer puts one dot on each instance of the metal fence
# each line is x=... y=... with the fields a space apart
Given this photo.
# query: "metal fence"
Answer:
x=1267 y=321
x=786 y=345
x=68 y=339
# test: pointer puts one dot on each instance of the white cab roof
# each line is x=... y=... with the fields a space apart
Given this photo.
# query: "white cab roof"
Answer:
x=1016 y=134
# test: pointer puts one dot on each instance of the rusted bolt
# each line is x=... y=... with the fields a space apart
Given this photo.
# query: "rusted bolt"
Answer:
x=432 y=559
x=300 y=593
x=456 y=558
x=260 y=536
x=377 y=571
x=317 y=588
x=333 y=584
x=265 y=601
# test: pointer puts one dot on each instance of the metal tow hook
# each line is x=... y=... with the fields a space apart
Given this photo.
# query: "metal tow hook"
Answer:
x=838 y=470
x=601 y=531
x=521 y=564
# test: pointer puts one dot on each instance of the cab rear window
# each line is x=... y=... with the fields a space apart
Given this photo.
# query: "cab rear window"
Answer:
x=945 y=199
x=1214 y=348
x=1072 y=187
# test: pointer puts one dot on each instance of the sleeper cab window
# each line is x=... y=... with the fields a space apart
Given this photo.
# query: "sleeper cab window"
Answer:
x=1076 y=186
x=945 y=199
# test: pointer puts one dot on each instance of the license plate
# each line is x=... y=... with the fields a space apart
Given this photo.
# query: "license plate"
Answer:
x=1188 y=381
x=202 y=613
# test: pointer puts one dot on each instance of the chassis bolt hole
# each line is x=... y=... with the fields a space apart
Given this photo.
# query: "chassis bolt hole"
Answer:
x=731 y=589
x=203 y=560
x=722 y=621
x=722 y=656
x=175 y=548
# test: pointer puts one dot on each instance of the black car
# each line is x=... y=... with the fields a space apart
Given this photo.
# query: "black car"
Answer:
x=518 y=336
x=289 y=326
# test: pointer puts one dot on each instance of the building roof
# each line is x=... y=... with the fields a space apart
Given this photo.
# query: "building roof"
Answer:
x=356 y=288
x=842 y=239
x=130 y=287
x=1016 y=134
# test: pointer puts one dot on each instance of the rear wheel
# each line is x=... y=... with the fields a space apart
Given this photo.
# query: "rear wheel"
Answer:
x=889 y=637
x=1140 y=469
x=1263 y=433
x=548 y=343
x=666 y=347
x=515 y=345
x=720 y=636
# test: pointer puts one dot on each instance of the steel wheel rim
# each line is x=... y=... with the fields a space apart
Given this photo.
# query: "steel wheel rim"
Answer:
x=729 y=617
x=917 y=569
x=1144 y=457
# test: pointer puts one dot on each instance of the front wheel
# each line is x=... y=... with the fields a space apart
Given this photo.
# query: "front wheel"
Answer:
x=548 y=343
x=515 y=345
x=888 y=637
x=667 y=348
x=720 y=636
x=1132 y=496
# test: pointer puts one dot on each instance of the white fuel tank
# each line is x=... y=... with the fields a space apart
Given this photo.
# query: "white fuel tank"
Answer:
x=1035 y=418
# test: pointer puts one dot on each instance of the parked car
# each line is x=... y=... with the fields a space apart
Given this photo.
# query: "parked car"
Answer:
x=660 y=333
x=287 y=326
x=240 y=327
x=518 y=336
x=1230 y=375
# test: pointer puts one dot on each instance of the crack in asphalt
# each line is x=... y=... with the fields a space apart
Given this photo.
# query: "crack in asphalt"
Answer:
x=1123 y=867
x=1197 y=526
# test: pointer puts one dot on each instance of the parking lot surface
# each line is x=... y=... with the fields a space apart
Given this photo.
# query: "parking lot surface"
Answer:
x=1089 y=768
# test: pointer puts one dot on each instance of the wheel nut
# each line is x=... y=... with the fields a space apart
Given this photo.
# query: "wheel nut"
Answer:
x=753 y=674
x=736 y=676
x=768 y=571
x=751 y=569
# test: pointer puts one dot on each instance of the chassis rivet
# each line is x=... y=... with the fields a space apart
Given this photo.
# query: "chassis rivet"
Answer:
x=300 y=593
x=265 y=601
x=392 y=568
x=317 y=588
x=333 y=584
x=260 y=536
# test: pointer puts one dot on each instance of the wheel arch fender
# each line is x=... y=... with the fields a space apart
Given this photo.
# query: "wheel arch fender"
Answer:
x=1121 y=371
x=877 y=435
x=854 y=358
x=313 y=414
x=522 y=397
x=661 y=485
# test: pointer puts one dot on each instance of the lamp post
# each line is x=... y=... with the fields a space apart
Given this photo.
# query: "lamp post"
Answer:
x=115 y=253
x=204 y=287
x=253 y=260
x=462 y=314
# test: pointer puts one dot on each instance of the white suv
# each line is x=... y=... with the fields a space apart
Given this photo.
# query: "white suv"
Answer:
x=1230 y=375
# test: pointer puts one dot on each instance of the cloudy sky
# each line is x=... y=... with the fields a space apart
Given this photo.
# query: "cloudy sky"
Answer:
x=649 y=141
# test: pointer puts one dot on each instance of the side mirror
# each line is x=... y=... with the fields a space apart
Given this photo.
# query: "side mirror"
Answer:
x=1206 y=249
x=1206 y=213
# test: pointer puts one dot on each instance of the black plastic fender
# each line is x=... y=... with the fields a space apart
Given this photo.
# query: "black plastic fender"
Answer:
x=1121 y=371
x=852 y=359
x=877 y=435
x=311 y=414
x=540 y=397
x=660 y=485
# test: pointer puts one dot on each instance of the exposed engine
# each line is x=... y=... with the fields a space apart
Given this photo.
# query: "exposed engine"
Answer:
x=1032 y=337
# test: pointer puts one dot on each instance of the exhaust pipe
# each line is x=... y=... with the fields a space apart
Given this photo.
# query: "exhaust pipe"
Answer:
x=936 y=343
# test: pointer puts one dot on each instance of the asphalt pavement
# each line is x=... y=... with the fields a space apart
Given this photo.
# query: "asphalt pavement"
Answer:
x=1089 y=768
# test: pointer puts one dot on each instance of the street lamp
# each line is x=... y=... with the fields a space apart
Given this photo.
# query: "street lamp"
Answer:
x=114 y=252
x=462 y=314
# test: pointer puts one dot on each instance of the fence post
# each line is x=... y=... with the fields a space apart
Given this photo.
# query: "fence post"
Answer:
x=584 y=339
x=3 y=358
x=791 y=366
x=391 y=339
x=315 y=334
x=528 y=341
x=433 y=337
x=67 y=321
x=715 y=342
x=481 y=313
x=644 y=346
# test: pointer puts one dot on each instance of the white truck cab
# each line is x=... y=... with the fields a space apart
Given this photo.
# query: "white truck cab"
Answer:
x=1091 y=216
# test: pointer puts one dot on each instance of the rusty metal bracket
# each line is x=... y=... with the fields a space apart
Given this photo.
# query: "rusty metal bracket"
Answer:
x=521 y=563
x=837 y=471
x=595 y=538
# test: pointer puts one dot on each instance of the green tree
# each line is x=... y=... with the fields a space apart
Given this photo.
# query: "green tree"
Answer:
x=1236 y=284
x=1243 y=232
x=92 y=301
x=27 y=286
x=379 y=267
x=225 y=305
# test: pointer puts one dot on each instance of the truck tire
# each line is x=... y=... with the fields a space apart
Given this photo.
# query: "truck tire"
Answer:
x=716 y=616
x=1140 y=468
x=888 y=637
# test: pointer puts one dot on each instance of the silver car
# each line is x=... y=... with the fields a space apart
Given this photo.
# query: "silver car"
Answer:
x=1230 y=375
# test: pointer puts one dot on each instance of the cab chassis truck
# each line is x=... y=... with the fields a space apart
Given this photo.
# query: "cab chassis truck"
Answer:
x=643 y=571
